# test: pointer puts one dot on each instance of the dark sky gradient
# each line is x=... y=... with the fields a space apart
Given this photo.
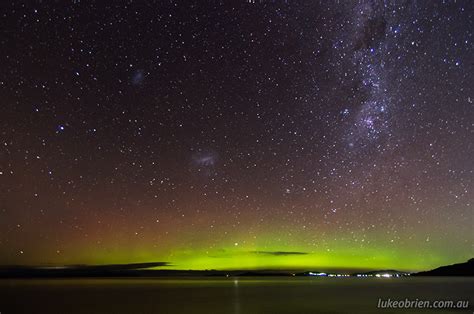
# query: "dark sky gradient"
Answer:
x=236 y=134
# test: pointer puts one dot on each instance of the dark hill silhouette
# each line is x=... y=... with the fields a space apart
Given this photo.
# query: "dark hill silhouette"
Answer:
x=462 y=269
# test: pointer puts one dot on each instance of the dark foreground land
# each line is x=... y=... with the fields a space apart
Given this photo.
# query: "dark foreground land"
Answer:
x=228 y=295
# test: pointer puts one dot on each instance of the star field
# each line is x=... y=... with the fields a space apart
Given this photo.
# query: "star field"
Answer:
x=201 y=134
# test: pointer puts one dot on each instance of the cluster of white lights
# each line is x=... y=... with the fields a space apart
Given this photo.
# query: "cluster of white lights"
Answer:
x=385 y=275
x=328 y=275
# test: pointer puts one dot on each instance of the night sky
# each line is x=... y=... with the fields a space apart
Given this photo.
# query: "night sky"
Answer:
x=224 y=135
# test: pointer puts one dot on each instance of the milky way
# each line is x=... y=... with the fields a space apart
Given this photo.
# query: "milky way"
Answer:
x=237 y=135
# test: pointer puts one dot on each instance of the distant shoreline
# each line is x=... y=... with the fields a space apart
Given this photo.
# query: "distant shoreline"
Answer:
x=142 y=270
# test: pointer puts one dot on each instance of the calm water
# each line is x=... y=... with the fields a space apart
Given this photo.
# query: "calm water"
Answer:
x=227 y=295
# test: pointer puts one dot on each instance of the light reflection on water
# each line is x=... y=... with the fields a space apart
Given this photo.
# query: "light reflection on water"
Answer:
x=236 y=296
x=226 y=295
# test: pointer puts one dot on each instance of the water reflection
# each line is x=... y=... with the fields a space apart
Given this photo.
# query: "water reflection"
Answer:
x=236 y=297
x=224 y=295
